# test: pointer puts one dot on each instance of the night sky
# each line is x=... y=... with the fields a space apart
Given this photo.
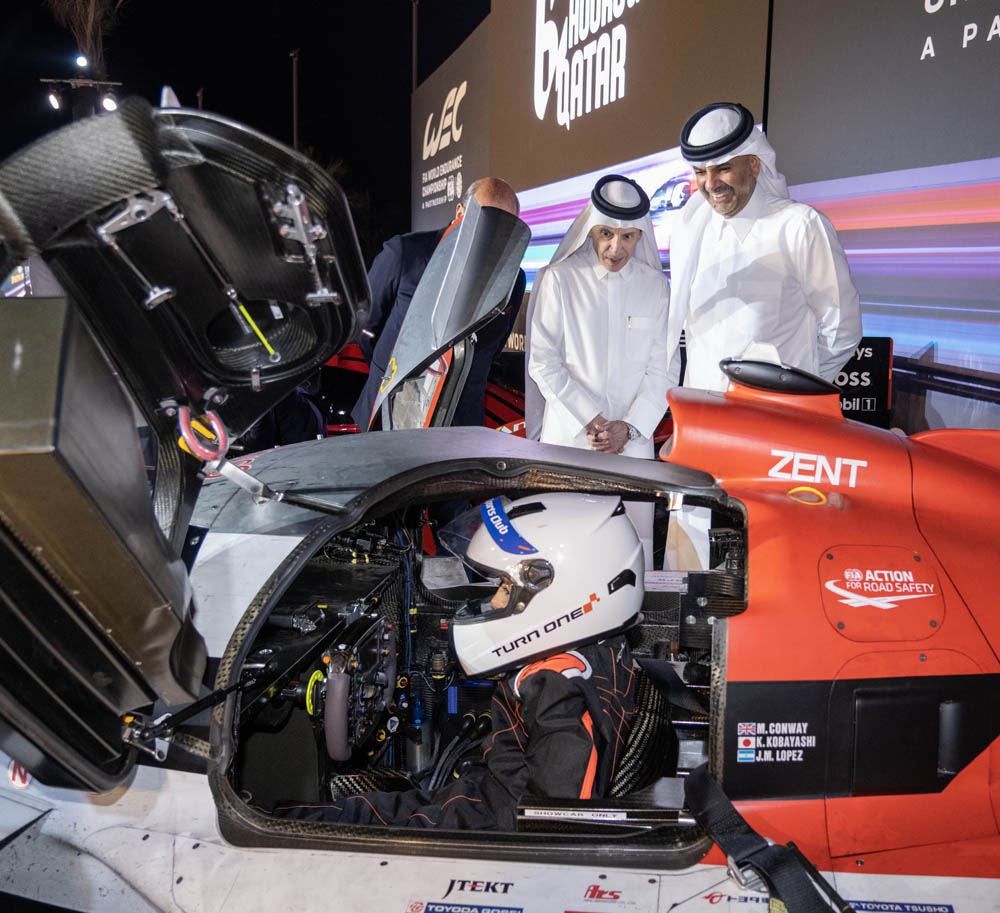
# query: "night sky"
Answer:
x=354 y=76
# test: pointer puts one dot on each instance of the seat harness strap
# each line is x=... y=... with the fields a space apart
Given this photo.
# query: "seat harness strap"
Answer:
x=753 y=859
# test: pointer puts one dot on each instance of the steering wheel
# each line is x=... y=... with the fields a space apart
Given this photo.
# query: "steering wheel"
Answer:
x=355 y=698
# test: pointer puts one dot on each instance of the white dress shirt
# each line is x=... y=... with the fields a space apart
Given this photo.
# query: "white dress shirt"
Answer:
x=598 y=346
x=773 y=273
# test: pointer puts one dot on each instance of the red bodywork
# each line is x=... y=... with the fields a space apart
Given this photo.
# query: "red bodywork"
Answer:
x=823 y=495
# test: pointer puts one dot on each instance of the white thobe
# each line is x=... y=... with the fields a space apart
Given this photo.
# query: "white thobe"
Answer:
x=773 y=273
x=598 y=347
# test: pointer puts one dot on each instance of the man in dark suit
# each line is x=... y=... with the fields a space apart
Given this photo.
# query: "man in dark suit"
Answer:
x=393 y=277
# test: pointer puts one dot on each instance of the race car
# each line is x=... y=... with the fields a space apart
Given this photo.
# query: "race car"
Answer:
x=187 y=653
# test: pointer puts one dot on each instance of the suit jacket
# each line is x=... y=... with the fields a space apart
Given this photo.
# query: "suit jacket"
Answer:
x=393 y=278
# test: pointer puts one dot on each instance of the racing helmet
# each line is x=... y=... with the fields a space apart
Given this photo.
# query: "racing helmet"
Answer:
x=570 y=569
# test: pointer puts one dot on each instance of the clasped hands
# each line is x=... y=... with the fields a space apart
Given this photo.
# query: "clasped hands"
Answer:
x=605 y=436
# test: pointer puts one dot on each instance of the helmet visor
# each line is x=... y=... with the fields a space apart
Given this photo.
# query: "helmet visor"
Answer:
x=517 y=569
x=517 y=587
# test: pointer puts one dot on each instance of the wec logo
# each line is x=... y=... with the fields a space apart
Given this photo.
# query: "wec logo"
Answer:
x=449 y=130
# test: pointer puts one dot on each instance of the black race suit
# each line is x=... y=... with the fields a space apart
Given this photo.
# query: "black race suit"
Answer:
x=559 y=728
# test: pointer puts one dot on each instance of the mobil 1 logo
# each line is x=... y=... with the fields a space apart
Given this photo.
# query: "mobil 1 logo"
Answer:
x=865 y=387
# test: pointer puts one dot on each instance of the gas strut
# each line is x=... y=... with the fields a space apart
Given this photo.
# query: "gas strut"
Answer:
x=153 y=736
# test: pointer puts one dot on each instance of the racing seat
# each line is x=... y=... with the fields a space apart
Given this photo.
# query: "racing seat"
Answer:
x=651 y=745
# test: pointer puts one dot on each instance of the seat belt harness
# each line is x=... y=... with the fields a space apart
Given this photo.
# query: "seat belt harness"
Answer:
x=755 y=861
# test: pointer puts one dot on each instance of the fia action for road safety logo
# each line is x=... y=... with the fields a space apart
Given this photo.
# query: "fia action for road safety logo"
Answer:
x=880 y=593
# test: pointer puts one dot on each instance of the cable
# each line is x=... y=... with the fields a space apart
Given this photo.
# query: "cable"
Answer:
x=408 y=605
x=442 y=767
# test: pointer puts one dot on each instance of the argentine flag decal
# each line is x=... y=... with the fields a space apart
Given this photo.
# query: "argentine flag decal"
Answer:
x=502 y=530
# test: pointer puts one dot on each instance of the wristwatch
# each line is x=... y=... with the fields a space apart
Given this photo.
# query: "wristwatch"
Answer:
x=633 y=432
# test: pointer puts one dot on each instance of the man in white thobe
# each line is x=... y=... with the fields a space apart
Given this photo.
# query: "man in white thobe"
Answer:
x=749 y=265
x=598 y=332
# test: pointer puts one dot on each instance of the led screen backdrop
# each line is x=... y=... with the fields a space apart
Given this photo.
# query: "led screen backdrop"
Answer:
x=883 y=116
x=546 y=89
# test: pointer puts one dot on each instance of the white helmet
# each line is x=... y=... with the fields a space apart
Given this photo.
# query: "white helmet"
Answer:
x=573 y=568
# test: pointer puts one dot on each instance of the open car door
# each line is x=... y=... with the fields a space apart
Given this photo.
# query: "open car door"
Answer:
x=466 y=284
x=208 y=271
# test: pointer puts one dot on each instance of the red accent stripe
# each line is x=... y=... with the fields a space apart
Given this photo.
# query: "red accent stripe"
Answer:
x=439 y=386
x=588 y=780
x=449 y=228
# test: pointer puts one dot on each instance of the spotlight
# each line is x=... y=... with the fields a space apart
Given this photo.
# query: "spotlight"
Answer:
x=55 y=99
x=108 y=102
x=81 y=61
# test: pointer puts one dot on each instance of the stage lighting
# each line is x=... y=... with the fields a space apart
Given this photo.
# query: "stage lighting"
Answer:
x=81 y=61
x=55 y=98
x=108 y=102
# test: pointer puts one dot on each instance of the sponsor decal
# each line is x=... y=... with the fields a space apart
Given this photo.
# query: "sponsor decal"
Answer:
x=478 y=887
x=854 y=378
x=580 y=58
x=18 y=776
x=815 y=467
x=516 y=428
x=859 y=404
x=548 y=628
x=864 y=382
x=775 y=742
x=502 y=530
x=438 y=906
x=895 y=906
x=880 y=593
x=717 y=897
x=858 y=587
x=596 y=892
